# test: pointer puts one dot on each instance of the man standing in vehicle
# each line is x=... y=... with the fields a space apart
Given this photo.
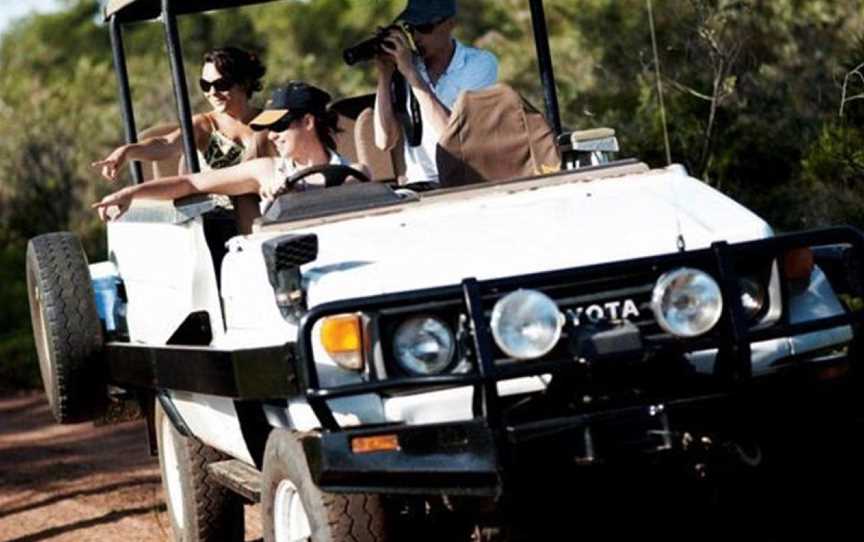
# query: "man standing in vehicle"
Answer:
x=439 y=70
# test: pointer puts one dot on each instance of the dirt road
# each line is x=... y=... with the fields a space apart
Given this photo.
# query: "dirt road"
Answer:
x=85 y=483
x=79 y=482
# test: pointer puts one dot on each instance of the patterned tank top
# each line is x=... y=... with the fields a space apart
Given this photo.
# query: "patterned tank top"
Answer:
x=221 y=152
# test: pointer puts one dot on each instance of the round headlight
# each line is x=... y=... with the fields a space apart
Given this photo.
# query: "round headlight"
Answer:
x=687 y=302
x=423 y=345
x=526 y=324
x=752 y=296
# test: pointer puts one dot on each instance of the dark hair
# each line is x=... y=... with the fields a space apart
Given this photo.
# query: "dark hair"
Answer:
x=326 y=127
x=240 y=66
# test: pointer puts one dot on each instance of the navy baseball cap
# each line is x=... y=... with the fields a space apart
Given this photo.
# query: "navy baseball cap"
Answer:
x=293 y=100
x=427 y=11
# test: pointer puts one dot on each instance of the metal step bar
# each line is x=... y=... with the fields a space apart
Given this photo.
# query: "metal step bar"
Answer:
x=239 y=477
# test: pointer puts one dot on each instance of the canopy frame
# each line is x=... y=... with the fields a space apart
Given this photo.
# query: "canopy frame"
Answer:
x=120 y=12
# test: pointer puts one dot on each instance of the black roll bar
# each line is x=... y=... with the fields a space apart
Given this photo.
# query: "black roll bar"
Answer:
x=544 y=61
x=178 y=79
x=181 y=92
x=119 y=55
x=184 y=112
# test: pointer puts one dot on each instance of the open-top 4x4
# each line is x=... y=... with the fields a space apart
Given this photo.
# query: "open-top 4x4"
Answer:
x=370 y=350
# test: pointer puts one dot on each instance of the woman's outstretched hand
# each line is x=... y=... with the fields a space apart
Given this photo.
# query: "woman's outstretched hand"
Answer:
x=120 y=199
x=111 y=165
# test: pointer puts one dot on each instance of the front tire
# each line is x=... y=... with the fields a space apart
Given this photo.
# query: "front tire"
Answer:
x=66 y=327
x=294 y=509
x=201 y=510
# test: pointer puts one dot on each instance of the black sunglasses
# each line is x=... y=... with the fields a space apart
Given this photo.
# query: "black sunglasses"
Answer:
x=282 y=124
x=426 y=28
x=221 y=85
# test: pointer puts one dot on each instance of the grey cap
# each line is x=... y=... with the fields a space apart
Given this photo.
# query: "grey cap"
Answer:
x=427 y=11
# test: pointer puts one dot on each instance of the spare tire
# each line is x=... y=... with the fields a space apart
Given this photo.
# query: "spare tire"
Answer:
x=66 y=327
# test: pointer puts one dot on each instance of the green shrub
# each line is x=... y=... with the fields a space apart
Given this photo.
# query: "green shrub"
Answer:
x=833 y=176
x=19 y=366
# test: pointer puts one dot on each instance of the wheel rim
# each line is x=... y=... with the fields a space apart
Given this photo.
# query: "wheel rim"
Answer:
x=291 y=524
x=171 y=478
x=43 y=348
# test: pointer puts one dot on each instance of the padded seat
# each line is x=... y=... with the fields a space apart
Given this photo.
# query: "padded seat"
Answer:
x=494 y=134
x=347 y=110
x=384 y=165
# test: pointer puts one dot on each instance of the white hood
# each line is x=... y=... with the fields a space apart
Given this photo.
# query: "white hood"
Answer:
x=522 y=231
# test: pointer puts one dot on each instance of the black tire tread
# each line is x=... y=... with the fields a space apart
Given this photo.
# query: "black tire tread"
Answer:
x=56 y=262
x=217 y=508
x=356 y=517
x=214 y=513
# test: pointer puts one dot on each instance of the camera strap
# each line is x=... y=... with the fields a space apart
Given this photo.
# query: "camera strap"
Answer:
x=407 y=110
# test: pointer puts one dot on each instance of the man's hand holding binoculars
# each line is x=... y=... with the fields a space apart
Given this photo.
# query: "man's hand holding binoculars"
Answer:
x=396 y=53
x=385 y=65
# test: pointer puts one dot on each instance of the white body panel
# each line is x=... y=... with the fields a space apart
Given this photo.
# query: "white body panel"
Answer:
x=522 y=231
x=168 y=273
x=251 y=315
x=485 y=233
x=496 y=233
x=213 y=420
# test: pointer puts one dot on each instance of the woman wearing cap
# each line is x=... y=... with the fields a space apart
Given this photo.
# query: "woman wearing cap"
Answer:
x=300 y=127
x=229 y=78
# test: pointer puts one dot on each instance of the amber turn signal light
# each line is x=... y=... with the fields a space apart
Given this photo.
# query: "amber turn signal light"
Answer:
x=342 y=338
x=798 y=264
x=377 y=443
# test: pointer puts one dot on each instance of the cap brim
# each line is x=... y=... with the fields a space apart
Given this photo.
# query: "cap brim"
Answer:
x=267 y=118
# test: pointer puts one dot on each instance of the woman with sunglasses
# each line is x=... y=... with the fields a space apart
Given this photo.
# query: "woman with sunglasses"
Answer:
x=301 y=129
x=437 y=72
x=223 y=136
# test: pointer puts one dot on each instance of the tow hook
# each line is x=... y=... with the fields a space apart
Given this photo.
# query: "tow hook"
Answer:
x=706 y=459
x=699 y=450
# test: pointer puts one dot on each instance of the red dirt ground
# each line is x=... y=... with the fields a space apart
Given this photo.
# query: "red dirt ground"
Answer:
x=79 y=482
x=86 y=483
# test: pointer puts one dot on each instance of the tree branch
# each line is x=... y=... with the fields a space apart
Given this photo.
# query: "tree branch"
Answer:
x=688 y=90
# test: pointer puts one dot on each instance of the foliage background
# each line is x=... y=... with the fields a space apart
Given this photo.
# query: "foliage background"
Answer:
x=762 y=100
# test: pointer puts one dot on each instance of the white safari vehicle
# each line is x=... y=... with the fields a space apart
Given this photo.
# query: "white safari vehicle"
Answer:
x=371 y=353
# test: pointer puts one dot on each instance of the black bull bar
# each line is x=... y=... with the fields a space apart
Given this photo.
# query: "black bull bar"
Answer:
x=732 y=338
x=473 y=465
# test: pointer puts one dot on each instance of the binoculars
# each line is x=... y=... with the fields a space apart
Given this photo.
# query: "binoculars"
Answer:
x=368 y=49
